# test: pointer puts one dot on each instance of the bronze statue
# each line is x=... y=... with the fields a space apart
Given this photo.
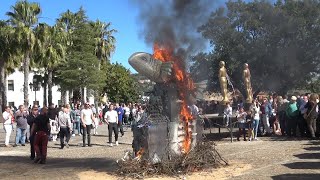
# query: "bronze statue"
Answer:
x=223 y=82
x=247 y=83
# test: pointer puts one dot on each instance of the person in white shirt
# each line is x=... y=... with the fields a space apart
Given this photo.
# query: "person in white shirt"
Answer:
x=111 y=117
x=227 y=114
x=126 y=113
x=255 y=111
x=7 y=124
x=241 y=119
x=87 y=119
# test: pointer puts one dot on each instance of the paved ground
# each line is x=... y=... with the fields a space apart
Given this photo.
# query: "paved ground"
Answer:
x=268 y=158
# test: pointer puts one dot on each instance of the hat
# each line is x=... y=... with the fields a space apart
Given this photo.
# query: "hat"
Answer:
x=293 y=98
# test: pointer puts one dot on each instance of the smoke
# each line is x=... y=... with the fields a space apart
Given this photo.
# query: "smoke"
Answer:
x=174 y=23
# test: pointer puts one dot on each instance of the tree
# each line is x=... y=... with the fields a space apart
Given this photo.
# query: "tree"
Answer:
x=279 y=41
x=104 y=40
x=23 y=18
x=81 y=68
x=120 y=85
x=51 y=51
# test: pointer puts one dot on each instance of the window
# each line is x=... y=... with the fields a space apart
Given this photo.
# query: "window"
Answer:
x=11 y=104
x=10 y=85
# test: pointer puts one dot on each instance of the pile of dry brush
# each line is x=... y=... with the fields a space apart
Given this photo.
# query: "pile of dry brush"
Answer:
x=202 y=156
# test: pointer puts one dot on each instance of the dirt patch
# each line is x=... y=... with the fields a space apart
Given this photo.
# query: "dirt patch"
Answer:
x=233 y=170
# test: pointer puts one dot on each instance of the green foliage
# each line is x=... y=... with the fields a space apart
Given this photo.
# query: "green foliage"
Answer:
x=120 y=85
x=81 y=68
x=280 y=42
x=104 y=40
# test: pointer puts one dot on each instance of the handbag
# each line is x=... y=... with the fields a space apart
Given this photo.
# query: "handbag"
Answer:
x=305 y=115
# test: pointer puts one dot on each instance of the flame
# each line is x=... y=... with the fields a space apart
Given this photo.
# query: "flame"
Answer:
x=184 y=84
x=140 y=153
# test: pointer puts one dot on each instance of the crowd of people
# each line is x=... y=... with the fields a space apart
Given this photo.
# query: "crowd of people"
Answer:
x=272 y=115
x=40 y=125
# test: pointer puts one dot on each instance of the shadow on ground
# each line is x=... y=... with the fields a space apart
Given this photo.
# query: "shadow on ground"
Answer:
x=296 y=176
x=96 y=164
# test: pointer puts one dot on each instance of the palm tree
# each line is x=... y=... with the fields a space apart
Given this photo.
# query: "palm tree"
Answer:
x=51 y=51
x=23 y=18
x=104 y=40
x=104 y=45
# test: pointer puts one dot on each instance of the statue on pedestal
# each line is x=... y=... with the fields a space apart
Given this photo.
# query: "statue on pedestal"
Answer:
x=223 y=82
x=247 y=83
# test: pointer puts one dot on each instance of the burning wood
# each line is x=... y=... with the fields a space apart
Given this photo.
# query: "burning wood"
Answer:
x=203 y=156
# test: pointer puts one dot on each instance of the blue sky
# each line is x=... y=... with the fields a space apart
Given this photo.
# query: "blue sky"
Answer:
x=122 y=14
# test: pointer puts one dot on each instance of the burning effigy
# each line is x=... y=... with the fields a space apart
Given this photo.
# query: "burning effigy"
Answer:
x=168 y=140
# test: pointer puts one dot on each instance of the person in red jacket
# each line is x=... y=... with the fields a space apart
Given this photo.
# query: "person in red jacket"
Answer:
x=41 y=128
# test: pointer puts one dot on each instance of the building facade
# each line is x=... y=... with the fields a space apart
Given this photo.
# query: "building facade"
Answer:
x=15 y=90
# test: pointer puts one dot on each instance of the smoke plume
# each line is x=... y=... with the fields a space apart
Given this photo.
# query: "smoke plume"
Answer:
x=174 y=23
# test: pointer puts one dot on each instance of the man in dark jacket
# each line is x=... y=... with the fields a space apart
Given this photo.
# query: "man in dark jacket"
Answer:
x=31 y=118
x=40 y=128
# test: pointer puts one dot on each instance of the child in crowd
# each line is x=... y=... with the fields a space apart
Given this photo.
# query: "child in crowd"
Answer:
x=241 y=119
x=249 y=125
x=54 y=129
x=95 y=124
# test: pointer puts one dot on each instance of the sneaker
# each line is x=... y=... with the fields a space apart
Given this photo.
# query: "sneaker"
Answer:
x=256 y=139
x=117 y=143
x=15 y=145
x=80 y=134
x=73 y=135
x=249 y=139
x=67 y=145
x=23 y=145
x=110 y=144
x=8 y=145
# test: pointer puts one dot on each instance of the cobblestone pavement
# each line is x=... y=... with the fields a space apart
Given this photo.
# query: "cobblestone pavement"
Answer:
x=268 y=158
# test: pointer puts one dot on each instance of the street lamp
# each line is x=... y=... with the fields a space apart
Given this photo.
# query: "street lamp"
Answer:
x=34 y=87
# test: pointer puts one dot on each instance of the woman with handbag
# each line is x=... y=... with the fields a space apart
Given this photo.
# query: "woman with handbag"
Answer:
x=312 y=114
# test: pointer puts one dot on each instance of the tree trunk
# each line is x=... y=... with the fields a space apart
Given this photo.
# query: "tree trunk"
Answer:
x=50 y=86
x=70 y=96
x=63 y=97
x=2 y=82
x=45 y=102
x=5 y=92
x=82 y=96
x=26 y=66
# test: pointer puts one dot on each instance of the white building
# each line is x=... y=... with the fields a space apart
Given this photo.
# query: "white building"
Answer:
x=15 y=91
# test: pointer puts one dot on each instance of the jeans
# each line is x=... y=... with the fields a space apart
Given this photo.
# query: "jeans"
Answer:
x=292 y=124
x=8 y=129
x=21 y=136
x=283 y=122
x=113 y=127
x=86 y=132
x=312 y=126
x=266 y=124
x=32 y=151
x=226 y=120
x=40 y=144
x=64 y=132
x=255 y=127
x=76 y=125
x=121 y=127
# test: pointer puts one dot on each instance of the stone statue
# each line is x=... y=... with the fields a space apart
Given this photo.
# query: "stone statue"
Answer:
x=223 y=82
x=247 y=83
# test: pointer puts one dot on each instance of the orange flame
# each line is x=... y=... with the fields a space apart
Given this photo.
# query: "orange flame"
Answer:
x=139 y=153
x=184 y=84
